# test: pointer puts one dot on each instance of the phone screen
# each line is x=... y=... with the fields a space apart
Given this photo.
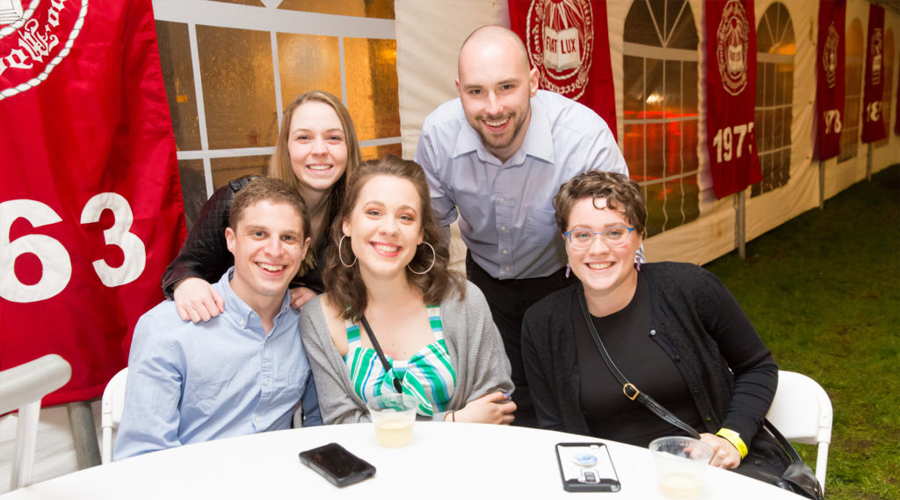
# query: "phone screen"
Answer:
x=586 y=467
x=337 y=464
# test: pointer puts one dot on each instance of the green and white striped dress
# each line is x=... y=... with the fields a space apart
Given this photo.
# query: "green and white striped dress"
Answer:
x=428 y=375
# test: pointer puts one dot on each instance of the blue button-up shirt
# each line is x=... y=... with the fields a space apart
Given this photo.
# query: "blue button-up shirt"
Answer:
x=505 y=210
x=190 y=383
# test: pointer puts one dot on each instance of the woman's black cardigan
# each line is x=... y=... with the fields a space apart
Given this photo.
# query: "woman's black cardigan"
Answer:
x=730 y=373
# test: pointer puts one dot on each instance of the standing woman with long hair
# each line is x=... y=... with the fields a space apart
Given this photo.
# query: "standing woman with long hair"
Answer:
x=316 y=152
x=394 y=317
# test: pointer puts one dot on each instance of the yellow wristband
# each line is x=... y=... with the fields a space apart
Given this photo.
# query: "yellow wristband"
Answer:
x=735 y=439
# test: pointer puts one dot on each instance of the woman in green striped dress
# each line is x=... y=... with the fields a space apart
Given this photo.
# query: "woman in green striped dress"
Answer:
x=387 y=279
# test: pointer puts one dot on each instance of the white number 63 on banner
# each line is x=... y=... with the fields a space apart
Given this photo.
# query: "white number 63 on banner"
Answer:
x=55 y=261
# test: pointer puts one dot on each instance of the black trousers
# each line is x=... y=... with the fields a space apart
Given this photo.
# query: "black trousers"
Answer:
x=508 y=300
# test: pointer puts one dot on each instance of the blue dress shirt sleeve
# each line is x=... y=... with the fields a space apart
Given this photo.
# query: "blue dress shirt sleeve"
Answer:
x=150 y=418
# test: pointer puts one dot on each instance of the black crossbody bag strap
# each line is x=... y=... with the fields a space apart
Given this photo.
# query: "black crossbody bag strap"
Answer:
x=377 y=346
x=630 y=391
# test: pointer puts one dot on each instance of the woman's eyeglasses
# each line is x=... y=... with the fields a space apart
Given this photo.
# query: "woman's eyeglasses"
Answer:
x=614 y=237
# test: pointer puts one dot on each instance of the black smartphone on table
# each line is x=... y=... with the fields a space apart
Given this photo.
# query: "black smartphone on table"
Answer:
x=586 y=467
x=337 y=465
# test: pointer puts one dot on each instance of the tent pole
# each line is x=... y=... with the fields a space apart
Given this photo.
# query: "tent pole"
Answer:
x=740 y=227
x=821 y=184
x=84 y=434
x=869 y=163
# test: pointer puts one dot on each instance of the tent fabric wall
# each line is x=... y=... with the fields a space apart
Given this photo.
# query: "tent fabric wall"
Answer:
x=428 y=37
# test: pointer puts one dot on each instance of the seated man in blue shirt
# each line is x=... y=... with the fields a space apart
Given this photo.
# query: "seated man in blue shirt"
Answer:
x=243 y=371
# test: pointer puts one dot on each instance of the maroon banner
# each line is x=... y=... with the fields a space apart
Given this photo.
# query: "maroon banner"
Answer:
x=830 y=78
x=873 y=128
x=90 y=203
x=730 y=95
x=568 y=42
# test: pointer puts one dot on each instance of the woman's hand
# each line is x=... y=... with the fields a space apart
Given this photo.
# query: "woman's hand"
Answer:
x=301 y=295
x=493 y=408
x=725 y=455
x=197 y=300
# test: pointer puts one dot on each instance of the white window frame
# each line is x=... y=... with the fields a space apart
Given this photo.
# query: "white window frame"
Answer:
x=267 y=19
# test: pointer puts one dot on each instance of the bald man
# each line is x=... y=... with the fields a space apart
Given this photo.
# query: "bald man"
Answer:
x=494 y=158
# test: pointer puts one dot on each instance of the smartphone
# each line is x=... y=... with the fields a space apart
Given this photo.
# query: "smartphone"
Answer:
x=586 y=467
x=337 y=465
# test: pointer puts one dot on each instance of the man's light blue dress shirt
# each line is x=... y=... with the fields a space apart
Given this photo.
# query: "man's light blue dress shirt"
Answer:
x=190 y=383
x=505 y=213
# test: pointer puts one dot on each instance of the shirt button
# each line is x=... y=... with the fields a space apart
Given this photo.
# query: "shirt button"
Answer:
x=266 y=382
x=507 y=268
x=257 y=418
x=503 y=228
x=505 y=252
x=653 y=332
x=243 y=323
x=501 y=200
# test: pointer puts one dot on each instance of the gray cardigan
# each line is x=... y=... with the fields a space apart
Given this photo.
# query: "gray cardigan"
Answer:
x=473 y=341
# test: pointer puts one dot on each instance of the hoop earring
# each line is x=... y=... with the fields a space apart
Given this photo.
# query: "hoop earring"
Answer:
x=433 y=260
x=341 y=253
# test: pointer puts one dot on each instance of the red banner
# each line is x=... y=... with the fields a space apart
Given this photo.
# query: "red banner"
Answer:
x=90 y=203
x=730 y=95
x=830 y=78
x=873 y=128
x=568 y=43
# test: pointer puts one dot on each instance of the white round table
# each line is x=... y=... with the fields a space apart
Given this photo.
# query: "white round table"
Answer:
x=445 y=460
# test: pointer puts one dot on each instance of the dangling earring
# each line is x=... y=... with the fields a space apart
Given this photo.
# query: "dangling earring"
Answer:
x=341 y=253
x=568 y=270
x=433 y=260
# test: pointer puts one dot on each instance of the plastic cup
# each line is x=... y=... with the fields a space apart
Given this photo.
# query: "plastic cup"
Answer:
x=393 y=416
x=681 y=463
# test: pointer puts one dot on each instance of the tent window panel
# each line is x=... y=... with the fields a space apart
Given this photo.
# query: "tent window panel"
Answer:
x=656 y=201
x=672 y=99
x=376 y=152
x=372 y=98
x=684 y=34
x=237 y=74
x=640 y=26
x=633 y=104
x=252 y=3
x=655 y=136
x=193 y=188
x=774 y=98
x=178 y=78
x=674 y=140
x=853 y=91
x=381 y=9
x=655 y=89
x=887 y=72
x=690 y=98
x=661 y=109
x=228 y=169
x=633 y=149
x=308 y=62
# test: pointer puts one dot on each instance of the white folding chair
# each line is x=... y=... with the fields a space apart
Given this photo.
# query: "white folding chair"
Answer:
x=111 y=412
x=23 y=387
x=802 y=412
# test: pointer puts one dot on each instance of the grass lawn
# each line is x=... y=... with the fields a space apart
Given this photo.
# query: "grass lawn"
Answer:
x=823 y=290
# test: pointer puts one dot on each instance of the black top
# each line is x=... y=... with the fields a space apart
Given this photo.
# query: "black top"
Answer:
x=695 y=320
x=205 y=254
x=607 y=411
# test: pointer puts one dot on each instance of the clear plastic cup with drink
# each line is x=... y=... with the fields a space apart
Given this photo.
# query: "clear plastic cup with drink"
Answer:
x=393 y=416
x=681 y=464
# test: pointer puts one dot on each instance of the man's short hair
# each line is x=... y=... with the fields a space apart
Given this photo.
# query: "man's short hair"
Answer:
x=271 y=190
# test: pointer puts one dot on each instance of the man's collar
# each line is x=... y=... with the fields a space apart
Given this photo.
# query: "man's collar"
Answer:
x=237 y=308
x=538 y=140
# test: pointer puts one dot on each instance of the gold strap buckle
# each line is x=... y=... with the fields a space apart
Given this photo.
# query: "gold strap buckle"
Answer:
x=631 y=386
